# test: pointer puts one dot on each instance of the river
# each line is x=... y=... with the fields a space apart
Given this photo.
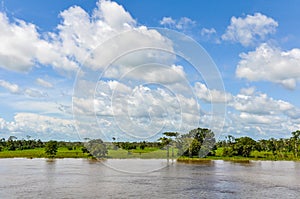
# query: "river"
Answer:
x=135 y=178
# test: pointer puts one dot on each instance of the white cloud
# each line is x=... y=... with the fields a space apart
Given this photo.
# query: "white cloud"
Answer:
x=185 y=23
x=43 y=83
x=33 y=105
x=206 y=31
x=139 y=111
x=83 y=36
x=250 y=112
x=155 y=73
x=13 y=88
x=210 y=35
x=248 y=91
x=22 y=47
x=260 y=104
x=270 y=63
x=43 y=127
x=167 y=21
x=114 y=15
x=78 y=35
x=249 y=29
x=34 y=93
x=213 y=96
x=181 y=24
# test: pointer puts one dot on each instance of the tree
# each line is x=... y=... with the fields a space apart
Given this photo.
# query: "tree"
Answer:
x=165 y=142
x=228 y=149
x=51 y=148
x=198 y=142
x=295 y=140
x=244 y=146
x=168 y=140
x=97 y=148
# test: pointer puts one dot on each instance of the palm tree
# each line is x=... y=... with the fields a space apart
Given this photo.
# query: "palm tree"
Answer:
x=170 y=135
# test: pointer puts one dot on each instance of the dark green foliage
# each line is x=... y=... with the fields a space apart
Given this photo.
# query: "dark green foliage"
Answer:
x=84 y=150
x=97 y=148
x=143 y=145
x=51 y=148
x=244 y=146
x=198 y=142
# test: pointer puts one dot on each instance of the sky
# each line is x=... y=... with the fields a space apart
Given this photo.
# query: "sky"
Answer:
x=134 y=69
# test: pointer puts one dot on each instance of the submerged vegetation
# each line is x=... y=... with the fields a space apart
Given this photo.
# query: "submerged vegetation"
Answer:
x=197 y=145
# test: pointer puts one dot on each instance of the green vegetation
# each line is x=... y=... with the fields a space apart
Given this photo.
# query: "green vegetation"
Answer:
x=197 y=145
x=51 y=148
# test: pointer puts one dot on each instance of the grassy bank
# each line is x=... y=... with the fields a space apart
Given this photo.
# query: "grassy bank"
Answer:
x=63 y=152
x=40 y=153
x=147 y=153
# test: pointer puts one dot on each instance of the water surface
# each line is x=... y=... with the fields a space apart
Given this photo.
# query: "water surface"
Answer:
x=81 y=178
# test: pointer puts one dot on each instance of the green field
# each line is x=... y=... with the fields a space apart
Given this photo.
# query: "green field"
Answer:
x=63 y=152
x=147 y=153
x=40 y=153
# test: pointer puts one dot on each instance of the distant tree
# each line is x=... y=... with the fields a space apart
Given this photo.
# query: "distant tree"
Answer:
x=198 y=142
x=228 y=148
x=295 y=140
x=244 y=146
x=51 y=148
x=168 y=141
x=12 y=138
x=97 y=148
x=143 y=145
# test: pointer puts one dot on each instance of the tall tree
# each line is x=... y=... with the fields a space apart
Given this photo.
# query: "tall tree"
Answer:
x=200 y=142
x=97 y=148
x=170 y=136
x=51 y=148
x=244 y=146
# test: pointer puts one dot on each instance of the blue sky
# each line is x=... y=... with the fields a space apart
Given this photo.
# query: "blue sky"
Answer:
x=254 y=44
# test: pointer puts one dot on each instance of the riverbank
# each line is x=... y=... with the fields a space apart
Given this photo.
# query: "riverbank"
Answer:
x=64 y=152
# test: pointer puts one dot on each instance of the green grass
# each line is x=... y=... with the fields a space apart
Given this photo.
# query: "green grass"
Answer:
x=40 y=153
x=147 y=153
x=63 y=152
x=254 y=155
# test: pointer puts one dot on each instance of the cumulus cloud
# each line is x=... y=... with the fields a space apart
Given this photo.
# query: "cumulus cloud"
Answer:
x=15 y=89
x=83 y=36
x=44 y=127
x=155 y=73
x=114 y=15
x=139 y=111
x=211 y=95
x=22 y=46
x=251 y=112
x=269 y=63
x=167 y=21
x=181 y=24
x=260 y=104
x=249 y=29
x=255 y=112
x=79 y=33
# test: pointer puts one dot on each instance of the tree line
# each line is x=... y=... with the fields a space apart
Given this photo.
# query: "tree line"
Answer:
x=243 y=146
x=199 y=142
